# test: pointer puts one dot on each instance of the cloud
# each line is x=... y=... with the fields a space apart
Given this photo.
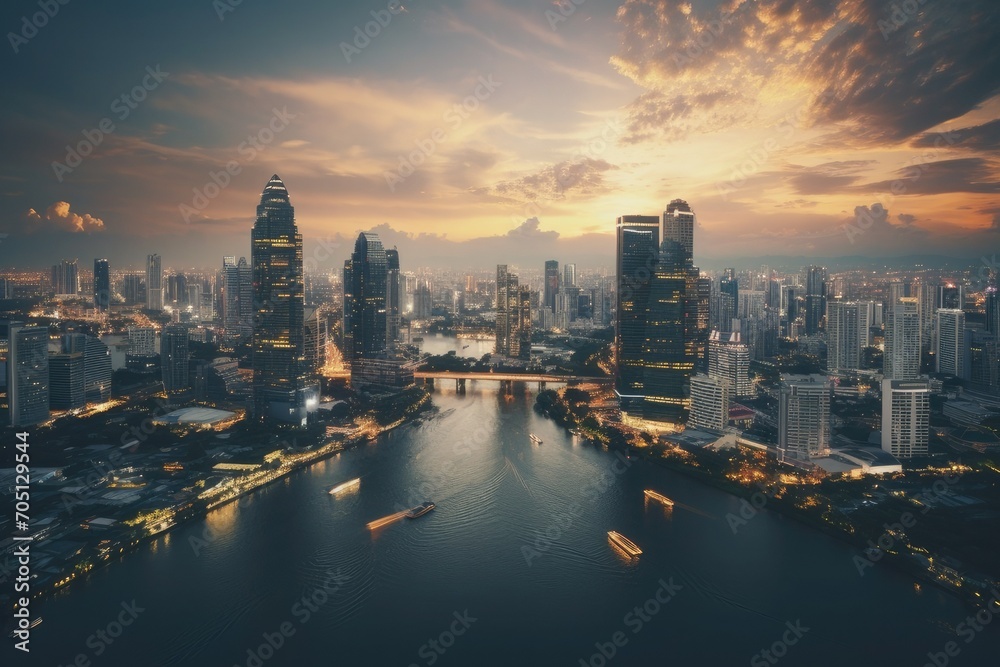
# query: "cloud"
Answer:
x=655 y=115
x=878 y=73
x=59 y=217
x=969 y=175
x=582 y=176
x=906 y=218
x=983 y=137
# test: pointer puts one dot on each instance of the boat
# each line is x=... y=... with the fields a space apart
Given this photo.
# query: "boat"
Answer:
x=658 y=496
x=34 y=624
x=535 y=439
x=349 y=484
x=625 y=544
x=417 y=339
x=420 y=510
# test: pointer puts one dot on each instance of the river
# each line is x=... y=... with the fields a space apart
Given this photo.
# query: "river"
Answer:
x=513 y=567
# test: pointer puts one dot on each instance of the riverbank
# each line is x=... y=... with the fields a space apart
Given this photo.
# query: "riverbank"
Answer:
x=762 y=489
x=385 y=415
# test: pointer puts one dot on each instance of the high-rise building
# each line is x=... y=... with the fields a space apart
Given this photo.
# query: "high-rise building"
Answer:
x=423 y=302
x=365 y=291
x=638 y=242
x=551 y=284
x=513 y=324
x=981 y=360
x=951 y=296
x=154 y=283
x=237 y=299
x=315 y=338
x=284 y=389
x=133 y=289
x=847 y=333
x=901 y=359
x=815 y=301
x=678 y=225
x=175 y=357
x=102 y=284
x=710 y=399
x=728 y=300
x=927 y=305
x=66 y=381
x=569 y=275
x=393 y=298
x=729 y=359
x=905 y=417
x=669 y=352
x=96 y=365
x=27 y=374
x=804 y=417
x=949 y=335
x=66 y=277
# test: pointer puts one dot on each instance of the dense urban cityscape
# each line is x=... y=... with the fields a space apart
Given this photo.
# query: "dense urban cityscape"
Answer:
x=584 y=334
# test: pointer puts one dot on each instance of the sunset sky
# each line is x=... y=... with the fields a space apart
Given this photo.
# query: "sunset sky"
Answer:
x=780 y=122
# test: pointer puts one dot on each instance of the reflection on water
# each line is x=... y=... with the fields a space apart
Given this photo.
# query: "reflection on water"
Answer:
x=496 y=494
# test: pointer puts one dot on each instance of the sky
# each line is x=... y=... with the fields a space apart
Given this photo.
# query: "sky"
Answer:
x=471 y=132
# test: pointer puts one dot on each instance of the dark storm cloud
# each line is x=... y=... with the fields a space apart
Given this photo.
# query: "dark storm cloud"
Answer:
x=975 y=175
x=983 y=137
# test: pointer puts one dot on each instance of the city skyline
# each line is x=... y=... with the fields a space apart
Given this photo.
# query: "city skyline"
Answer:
x=784 y=162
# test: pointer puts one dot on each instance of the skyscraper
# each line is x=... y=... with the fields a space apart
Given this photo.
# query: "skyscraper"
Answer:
x=102 y=284
x=804 y=417
x=678 y=225
x=237 y=299
x=710 y=399
x=365 y=292
x=906 y=408
x=815 y=302
x=66 y=381
x=27 y=374
x=96 y=364
x=569 y=275
x=949 y=334
x=175 y=356
x=315 y=338
x=551 y=284
x=847 y=328
x=729 y=359
x=901 y=360
x=154 y=283
x=284 y=389
x=638 y=242
x=66 y=277
x=668 y=351
x=513 y=324
x=393 y=298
